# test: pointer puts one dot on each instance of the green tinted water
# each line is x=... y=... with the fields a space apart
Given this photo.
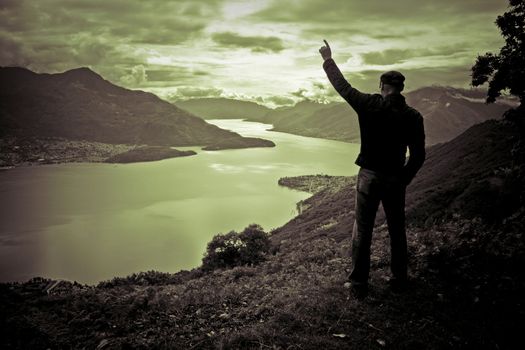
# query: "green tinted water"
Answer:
x=90 y=222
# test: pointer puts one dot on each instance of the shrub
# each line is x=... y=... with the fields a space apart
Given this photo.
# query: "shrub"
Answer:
x=234 y=249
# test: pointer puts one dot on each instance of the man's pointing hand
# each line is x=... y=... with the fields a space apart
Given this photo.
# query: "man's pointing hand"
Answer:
x=325 y=51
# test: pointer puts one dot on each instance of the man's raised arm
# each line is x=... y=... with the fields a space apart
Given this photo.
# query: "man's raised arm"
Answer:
x=354 y=97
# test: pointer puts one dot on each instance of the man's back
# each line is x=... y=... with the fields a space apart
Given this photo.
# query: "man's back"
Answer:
x=388 y=127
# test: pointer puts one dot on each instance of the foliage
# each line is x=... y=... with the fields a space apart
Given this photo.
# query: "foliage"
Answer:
x=506 y=70
x=248 y=247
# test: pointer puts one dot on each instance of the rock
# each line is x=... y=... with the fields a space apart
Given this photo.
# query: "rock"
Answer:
x=381 y=342
x=339 y=335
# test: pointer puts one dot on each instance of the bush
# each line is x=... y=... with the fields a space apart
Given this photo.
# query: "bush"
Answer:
x=235 y=249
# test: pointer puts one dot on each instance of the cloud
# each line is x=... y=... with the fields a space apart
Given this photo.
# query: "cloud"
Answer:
x=386 y=57
x=316 y=91
x=255 y=43
x=136 y=76
x=266 y=49
x=64 y=34
x=393 y=56
x=189 y=92
x=12 y=51
x=372 y=10
x=368 y=80
x=277 y=100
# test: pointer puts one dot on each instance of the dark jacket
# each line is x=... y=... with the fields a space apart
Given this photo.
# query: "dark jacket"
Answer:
x=388 y=127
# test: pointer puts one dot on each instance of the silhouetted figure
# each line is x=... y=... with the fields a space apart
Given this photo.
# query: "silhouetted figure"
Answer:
x=388 y=127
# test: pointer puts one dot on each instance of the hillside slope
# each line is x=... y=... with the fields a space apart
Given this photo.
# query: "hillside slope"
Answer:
x=466 y=291
x=449 y=111
x=80 y=105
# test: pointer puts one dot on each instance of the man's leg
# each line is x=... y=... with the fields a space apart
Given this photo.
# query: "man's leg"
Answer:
x=394 y=206
x=366 y=205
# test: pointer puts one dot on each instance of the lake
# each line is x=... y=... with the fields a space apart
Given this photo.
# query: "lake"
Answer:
x=91 y=221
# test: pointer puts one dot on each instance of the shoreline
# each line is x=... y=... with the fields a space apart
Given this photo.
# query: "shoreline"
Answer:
x=17 y=152
x=20 y=152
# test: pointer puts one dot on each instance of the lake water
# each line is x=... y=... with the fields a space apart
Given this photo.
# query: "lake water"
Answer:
x=90 y=222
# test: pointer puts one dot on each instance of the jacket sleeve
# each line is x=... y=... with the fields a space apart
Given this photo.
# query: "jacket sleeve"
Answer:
x=416 y=147
x=354 y=97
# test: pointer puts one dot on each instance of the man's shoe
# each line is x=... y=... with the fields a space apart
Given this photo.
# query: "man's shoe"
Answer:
x=358 y=290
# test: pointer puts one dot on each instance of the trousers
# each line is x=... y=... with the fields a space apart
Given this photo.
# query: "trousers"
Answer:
x=372 y=188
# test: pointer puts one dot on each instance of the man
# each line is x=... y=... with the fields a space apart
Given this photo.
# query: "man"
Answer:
x=388 y=127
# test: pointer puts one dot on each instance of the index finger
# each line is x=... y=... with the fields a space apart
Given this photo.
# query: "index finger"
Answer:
x=326 y=43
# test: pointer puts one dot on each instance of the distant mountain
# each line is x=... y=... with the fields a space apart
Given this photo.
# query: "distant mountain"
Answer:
x=223 y=108
x=447 y=112
x=332 y=121
x=80 y=105
x=335 y=121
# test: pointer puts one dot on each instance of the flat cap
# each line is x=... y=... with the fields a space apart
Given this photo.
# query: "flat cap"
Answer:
x=394 y=78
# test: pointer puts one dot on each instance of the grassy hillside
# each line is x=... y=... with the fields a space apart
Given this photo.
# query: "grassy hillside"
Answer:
x=466 y=289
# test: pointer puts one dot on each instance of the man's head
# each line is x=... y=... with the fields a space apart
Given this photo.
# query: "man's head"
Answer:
x=391 y=82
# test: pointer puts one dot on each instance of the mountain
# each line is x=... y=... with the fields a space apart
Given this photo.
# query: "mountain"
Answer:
x=336 y=121
x=80 y=105
x=223 y=108
x=447 y=112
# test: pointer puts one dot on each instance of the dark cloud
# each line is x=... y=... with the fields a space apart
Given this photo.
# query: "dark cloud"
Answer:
x=413 y=22
x=385 y=57
x=393 y=56
x=12 y=51
x=255 y=43
x=372 y=10
x=53 y=35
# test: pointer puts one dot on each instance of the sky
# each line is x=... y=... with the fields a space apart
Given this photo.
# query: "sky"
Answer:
x=266 y=51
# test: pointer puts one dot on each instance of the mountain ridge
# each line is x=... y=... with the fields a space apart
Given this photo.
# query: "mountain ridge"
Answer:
x=79 y=104
x=447 y=112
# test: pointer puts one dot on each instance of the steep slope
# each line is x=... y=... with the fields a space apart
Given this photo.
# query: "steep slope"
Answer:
x=80 y=105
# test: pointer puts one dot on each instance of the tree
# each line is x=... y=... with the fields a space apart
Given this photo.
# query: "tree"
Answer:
x=249 y=247
x=506 y=70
